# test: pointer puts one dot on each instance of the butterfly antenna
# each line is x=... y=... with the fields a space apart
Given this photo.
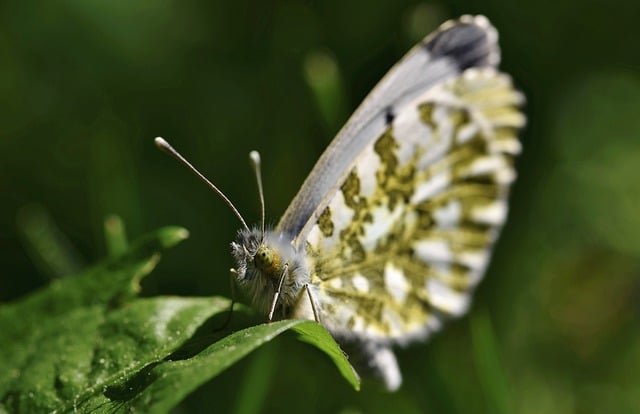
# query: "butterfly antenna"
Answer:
x=164 y=145
x=255 y=160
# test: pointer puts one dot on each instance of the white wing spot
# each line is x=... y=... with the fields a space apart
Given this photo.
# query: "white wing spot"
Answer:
x=509 y=146
x=382 y=221
x=466 y=132
x=433 y=250
x=449 y=215
x=335 y=283
x=443 y=297
x=506 y=176
x=366 y=167
x=358 y=324
x=360 y=283
x=425 y=191
x=494 y=213
x=386 y=361
x=474 y=259
x=410 y=132
x=314 y=235
x=396 y=283
x=496 y=165
x=486 y=165
x=341 y=214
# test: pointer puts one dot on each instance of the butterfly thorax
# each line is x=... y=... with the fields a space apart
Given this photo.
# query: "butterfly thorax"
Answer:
x=262 y=262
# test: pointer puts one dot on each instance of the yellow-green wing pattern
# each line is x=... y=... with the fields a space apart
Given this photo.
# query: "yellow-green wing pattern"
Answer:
x=393 y=228
x=457 y=45
x=408 y=235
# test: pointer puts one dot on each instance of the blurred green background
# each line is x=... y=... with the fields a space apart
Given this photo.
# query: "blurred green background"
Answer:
x=87 y=85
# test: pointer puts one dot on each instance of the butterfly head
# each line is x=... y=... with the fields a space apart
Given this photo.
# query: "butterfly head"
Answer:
x=266 y=259
x=259 y=255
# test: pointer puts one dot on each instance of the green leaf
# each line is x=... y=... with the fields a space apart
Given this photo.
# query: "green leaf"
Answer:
x=51 y=340
x=87 y=343
x=167 y=383
x=316 y=335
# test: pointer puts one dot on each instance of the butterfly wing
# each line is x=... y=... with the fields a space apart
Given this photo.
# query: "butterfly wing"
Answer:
x=399 y=216
x=408 y=234
x=455 y=46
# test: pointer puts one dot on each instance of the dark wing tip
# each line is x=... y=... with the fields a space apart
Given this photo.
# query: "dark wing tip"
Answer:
x=470 y=41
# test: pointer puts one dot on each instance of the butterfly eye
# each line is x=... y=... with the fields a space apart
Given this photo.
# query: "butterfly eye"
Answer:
x=263 y=259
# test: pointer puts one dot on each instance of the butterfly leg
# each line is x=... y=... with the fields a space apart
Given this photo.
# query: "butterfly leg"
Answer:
x=316 y=315
x=233 y=274
x=276 y=296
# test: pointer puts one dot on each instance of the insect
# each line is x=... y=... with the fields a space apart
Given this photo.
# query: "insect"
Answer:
x=393 y=228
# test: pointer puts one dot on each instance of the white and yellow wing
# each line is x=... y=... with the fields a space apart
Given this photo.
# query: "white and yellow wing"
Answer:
x=399 y=215
x=408 y=235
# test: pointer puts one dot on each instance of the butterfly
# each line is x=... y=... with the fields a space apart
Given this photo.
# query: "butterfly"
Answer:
x=393 y=228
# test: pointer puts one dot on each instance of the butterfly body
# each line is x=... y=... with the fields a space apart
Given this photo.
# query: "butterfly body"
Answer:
x=262 y=261
x=393 y=228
